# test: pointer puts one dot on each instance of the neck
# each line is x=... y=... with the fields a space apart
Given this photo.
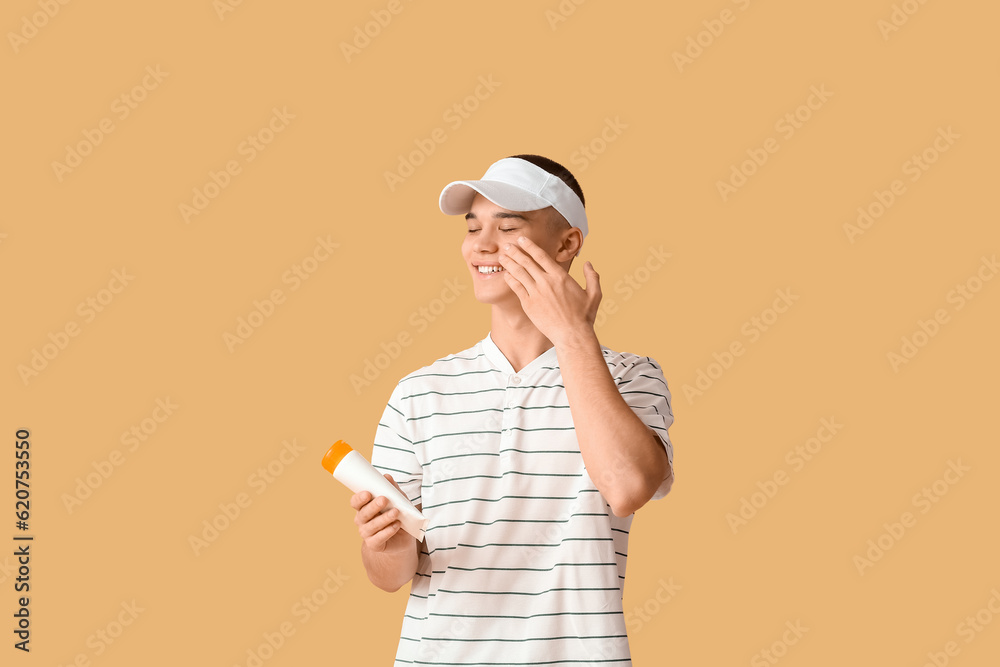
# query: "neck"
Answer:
x=516 y=336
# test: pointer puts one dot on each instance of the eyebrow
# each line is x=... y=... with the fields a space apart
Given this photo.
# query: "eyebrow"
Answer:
x=498 y=215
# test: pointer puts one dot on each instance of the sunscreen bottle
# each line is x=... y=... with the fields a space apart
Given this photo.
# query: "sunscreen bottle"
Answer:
x=355 y=472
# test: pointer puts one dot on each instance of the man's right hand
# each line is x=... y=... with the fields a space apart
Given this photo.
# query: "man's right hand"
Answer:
x=382 y=533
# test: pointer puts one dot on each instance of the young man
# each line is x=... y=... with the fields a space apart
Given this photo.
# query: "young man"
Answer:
x=528 y=452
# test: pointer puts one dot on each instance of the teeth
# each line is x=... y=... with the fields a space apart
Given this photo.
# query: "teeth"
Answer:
x=490 y=269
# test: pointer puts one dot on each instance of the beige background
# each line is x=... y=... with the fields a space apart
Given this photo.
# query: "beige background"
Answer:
x=557 y=85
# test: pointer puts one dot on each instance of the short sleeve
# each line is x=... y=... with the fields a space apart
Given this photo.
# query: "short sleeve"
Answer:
x=645 y=390
x=393 y=451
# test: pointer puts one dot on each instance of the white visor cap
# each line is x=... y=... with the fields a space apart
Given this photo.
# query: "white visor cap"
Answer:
x=516 y=185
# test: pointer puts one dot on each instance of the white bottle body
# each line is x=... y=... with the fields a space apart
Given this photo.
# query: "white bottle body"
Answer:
x=356 y=473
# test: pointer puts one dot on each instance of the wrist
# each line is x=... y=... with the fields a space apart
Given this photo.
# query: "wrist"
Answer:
x=578 y=338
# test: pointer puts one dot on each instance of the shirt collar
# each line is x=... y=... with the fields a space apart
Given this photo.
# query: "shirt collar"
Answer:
x=493 y=353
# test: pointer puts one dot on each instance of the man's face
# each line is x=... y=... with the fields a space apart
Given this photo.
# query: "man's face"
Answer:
x=489 y=228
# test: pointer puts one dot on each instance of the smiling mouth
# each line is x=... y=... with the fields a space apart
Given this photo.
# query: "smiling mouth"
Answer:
x=489 y=269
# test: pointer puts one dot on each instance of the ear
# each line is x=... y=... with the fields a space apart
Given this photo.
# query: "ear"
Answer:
x=572 y=239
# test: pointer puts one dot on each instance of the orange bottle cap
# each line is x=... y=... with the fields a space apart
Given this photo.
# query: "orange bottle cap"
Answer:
x=339 y=450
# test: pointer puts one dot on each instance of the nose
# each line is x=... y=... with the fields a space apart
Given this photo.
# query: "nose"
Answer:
x=486 y=239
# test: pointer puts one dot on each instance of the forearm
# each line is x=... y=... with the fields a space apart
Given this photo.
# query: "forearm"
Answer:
x=624 y=457
x=389 y=570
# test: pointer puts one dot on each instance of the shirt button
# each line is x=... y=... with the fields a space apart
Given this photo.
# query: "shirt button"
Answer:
x=515 y=380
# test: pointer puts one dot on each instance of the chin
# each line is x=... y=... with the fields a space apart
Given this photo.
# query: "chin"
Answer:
x=488 y=298
x=493 y=296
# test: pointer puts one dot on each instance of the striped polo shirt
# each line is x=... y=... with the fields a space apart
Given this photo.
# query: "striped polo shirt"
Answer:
x=523 y=561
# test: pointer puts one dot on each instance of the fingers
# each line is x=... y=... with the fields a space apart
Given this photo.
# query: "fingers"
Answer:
x=589 y=269
x=515 y=269
x=515 y=285
x=370 y=510
x=593 y=281
x=536 y=252
x=369 y=520
x=377 y=532
x=378 y=540
x=379 y=524
x=360 y=499
x=375 y=525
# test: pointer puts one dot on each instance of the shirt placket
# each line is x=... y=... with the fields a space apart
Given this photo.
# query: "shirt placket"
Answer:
x=511 y=399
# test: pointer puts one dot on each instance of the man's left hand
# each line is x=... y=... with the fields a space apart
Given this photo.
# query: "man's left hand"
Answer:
x=550 y=297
